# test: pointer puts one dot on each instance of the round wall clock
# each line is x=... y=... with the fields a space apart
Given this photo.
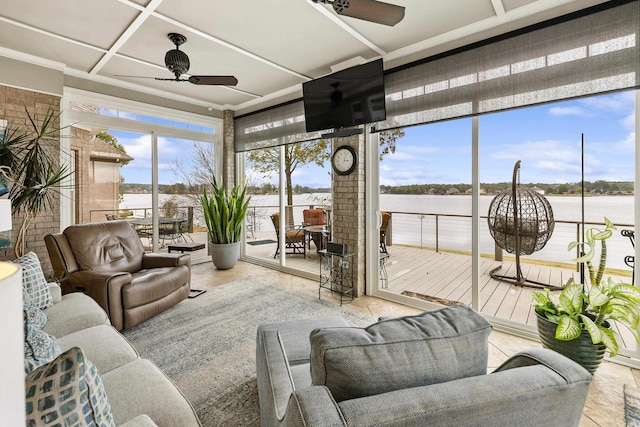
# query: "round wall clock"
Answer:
x=344 y=160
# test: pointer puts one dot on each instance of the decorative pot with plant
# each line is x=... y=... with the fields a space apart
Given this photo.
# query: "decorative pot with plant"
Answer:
x=224 y=214
x=578 y=323
x=30 y=168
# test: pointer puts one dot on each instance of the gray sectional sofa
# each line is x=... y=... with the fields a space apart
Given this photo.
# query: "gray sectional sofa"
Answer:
x=138 y=392
x=423 y=370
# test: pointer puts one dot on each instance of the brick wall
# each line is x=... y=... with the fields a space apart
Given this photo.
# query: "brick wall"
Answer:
x=12 y=109
x=348 y=214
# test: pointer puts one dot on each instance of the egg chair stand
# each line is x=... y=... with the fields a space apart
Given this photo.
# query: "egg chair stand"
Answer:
x=521 y=222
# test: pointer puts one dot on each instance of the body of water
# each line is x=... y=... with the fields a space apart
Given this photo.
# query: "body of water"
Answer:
x=415 y=218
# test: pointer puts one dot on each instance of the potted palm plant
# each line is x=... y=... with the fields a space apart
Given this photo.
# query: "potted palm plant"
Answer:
x=224 y=214
x=578 y=322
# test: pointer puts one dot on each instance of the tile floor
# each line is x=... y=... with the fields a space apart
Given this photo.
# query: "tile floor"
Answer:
x=605 y=404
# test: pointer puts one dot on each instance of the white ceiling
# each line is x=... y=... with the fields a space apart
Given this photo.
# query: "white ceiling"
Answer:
x=271 y=46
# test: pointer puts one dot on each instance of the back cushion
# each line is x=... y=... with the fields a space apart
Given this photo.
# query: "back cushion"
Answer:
x=394 y=354
x=106 y=246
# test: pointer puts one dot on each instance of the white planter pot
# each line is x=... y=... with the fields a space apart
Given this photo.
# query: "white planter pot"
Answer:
x=224 y=256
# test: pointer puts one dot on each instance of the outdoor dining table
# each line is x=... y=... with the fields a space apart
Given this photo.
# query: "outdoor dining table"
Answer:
x=169 y=227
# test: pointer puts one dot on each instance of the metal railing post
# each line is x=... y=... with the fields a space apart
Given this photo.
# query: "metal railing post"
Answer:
x=437 y=234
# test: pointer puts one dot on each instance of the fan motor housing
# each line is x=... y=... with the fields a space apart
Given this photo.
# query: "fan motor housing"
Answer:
x=177 y=62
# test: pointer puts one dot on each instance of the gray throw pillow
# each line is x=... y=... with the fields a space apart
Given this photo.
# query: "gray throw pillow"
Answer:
x=411 y=351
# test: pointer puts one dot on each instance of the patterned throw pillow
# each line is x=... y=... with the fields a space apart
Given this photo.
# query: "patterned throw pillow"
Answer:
x=34 y=281
x=67 y=392
x=39 y=347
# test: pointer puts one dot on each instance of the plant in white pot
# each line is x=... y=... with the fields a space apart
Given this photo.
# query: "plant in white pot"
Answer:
x=224 y=215
x=578 y=322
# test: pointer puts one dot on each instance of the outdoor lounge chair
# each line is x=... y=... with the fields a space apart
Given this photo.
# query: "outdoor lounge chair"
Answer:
x=295 y=241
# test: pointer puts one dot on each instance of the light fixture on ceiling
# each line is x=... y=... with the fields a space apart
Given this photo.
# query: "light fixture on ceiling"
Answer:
x=367 y=10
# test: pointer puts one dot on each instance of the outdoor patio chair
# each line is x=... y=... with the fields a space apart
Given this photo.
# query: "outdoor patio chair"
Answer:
x=295 y=241
x=312 y=217
x=386 y=216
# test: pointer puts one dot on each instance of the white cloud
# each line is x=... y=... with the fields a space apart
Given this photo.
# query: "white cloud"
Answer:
x=568 y=111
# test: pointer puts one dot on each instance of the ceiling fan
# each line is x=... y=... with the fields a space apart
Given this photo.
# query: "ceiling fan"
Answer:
x=178 y=63
x=368 y=10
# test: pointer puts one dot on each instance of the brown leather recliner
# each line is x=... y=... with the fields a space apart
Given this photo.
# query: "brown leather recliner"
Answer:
x=107 y=261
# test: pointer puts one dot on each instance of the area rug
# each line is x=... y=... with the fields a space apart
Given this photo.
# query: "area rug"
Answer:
x=206 y=345
x=261 y=242
x=632 y=405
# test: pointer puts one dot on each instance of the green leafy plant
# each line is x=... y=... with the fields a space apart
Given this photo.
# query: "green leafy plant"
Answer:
x=30 y=165
x=224 y=213
x=592 y=306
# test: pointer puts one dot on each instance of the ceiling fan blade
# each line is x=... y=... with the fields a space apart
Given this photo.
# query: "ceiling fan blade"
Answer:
x=134 y=77
x=214 y=80
x=370 y=10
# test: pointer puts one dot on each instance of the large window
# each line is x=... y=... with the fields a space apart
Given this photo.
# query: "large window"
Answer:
x=427 y=186
x=141 y=163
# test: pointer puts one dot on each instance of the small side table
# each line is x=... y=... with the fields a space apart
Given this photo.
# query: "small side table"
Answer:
x=336 y=274
x=185 y=247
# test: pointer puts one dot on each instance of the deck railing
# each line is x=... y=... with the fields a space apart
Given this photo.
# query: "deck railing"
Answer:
x=452 y=232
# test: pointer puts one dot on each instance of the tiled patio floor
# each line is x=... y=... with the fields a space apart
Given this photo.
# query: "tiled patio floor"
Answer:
x=605 y=404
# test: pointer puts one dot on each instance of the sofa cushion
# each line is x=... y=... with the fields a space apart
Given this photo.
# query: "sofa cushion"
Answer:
x=39 y=347
x=103 y=345
x=139 y=388
x=67 y=391
x=394 y=354
x=295 y=334
x=76 y=311
x=34 y=281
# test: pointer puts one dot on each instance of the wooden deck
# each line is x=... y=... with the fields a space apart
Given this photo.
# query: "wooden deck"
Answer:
x=444 y=277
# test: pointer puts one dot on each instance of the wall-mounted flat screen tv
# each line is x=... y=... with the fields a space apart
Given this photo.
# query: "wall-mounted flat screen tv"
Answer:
x=345 y=98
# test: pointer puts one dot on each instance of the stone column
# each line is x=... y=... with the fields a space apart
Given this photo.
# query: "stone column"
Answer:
x=228 y=151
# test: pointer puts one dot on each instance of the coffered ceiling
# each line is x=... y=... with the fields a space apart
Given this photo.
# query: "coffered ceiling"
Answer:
x=271 y=46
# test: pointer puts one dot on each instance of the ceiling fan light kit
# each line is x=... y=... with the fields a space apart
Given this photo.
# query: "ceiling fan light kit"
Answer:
x=367 y=10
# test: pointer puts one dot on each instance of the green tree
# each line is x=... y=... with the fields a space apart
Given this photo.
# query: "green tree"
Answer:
x=388 y=139
x=267 y=160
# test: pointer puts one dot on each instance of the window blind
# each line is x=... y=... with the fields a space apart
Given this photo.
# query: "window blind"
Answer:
x=591 y=54
x=588 y=55
x=269 y=128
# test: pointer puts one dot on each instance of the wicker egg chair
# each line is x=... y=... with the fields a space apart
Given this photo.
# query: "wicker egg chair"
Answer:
x=521 y=222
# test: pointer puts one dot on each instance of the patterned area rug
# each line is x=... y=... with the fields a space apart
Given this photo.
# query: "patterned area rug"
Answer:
x=206 y=345
x=632 y=405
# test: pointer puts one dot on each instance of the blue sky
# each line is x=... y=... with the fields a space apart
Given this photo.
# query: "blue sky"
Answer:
x=545 y=138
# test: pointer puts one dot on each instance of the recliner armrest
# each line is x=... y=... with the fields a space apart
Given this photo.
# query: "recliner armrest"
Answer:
x=156 y=260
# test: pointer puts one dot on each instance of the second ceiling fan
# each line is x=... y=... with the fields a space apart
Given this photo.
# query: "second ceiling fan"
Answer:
x=367 y=10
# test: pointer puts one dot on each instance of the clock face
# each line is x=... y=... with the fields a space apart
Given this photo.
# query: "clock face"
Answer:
x=344 y=160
